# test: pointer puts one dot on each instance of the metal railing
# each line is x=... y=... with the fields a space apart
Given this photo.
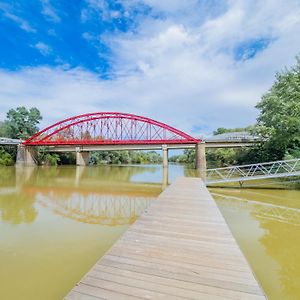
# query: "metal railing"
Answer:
x=234 y=137
x=8 y=141
x=276 y=169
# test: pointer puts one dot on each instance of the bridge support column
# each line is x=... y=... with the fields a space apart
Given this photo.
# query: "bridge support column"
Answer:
x=165 y=178
x=82 y=158
x=201 y=159
x=165 y=155
x=26 y=156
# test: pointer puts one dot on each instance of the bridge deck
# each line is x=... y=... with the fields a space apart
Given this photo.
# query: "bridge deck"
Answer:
x=181 y=248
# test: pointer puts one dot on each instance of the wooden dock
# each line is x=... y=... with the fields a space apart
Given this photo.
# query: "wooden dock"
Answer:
x=180 y=248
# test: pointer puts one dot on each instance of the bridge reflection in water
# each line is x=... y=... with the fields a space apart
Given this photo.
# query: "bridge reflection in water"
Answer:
x=100 y=195
x=96 y=208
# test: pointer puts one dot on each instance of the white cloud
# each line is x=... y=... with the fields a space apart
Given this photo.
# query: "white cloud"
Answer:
x=49 y=12
x=43 y=48
x=180 y=72
x=7 y=12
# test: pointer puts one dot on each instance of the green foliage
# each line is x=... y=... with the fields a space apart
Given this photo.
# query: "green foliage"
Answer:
x=188 y=157
x=279 y=118
x=6 y=159
x=4 y=130
x=47 y=159
x=51 y=159
x=67 y=158
x=222 y=130
x=221 y=157
x=125 y=157
x=215 y=158
x=22 y=123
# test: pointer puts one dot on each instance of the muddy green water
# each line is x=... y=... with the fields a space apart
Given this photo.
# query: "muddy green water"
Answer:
x=55 y=223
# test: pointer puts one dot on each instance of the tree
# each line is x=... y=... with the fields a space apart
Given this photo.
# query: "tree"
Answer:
x=22 y=123
x=222 y=130
x=125 y=157
x=6 y=158
x=279 y=118
x=4 y=130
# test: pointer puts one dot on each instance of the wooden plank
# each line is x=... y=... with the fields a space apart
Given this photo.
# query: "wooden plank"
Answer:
x=211 y=292
x=180 y=248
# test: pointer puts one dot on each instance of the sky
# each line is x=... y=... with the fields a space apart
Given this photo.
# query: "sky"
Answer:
x=196 y=64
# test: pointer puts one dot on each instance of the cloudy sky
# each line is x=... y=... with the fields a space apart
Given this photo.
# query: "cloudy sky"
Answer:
x=194 y=64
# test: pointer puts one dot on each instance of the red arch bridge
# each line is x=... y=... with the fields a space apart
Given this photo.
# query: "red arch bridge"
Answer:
x=109 y=131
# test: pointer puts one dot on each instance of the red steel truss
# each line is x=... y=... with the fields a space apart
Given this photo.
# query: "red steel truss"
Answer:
x=107 y=128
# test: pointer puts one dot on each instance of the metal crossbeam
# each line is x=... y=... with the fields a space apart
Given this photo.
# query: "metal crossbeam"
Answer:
x=282 y=168
x=109 y=128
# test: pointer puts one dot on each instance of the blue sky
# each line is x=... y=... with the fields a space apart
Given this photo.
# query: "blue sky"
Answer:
x=196 y=65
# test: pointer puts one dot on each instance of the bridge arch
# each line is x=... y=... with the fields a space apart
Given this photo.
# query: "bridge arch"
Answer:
x=109 y=128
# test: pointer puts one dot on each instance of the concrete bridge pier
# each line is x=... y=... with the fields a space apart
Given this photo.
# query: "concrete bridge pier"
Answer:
x=201 y=159
x=165 y=155
x=82 y=158
x=23 y=175
x=165 y=179
x=78 y=174
x=26 y=156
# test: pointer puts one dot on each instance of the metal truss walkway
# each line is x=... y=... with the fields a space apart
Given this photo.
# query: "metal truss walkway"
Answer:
x=277 y=169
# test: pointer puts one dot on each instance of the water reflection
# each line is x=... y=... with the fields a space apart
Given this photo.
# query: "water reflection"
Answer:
x=268 y=233
x=7 y=175
x=96 y=195
x=96 y=208
x=89 y=176
x=16 y=210
x=68 y=217
x=259 y=210
x=56 y=222
x=281 y=242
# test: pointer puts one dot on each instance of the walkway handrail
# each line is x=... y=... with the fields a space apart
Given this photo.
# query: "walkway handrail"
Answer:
x=282 y=168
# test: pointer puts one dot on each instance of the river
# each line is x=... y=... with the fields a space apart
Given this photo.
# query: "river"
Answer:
x=56 y=222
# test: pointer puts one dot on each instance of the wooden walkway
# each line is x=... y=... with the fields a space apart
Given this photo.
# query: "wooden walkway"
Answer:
x=181 y=248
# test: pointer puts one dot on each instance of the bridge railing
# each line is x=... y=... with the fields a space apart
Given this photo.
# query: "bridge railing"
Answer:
x=9 y=141
x=283 y=168
x=234 y=137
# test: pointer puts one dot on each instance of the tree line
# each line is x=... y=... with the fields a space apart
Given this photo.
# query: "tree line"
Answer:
x=278 y=124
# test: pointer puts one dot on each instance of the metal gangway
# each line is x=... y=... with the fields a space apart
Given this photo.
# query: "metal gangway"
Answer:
x=10 y=142
x=275 y=169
